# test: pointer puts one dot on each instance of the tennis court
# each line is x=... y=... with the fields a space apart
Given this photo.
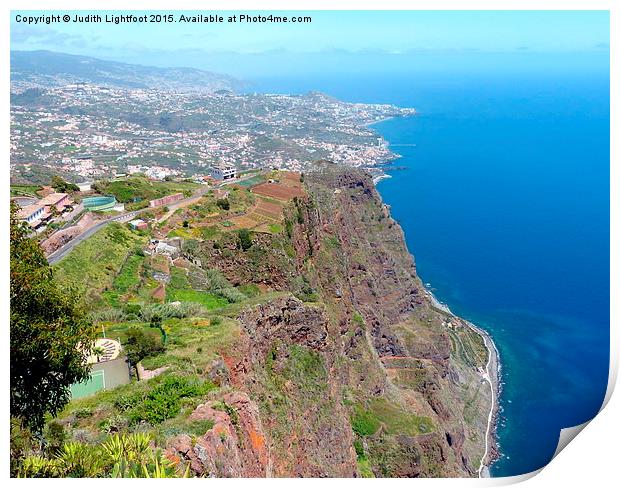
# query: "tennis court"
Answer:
x=254 y=180
x=103 y=375
x=95 y=383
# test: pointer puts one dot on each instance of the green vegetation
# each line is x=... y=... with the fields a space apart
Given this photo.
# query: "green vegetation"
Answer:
x=207 y=300
x=49 y=333
x=62 y=186
x=209 y=232
x=163 y=401
x=25 y=190
x=140 y=344
x=254 y=180
x=363 y=464
x=138 y=188
x=275 y=228
x=128 y=279
x=244 y=239
x=93 y=264
x=215 y=283
x=250 y=290
x=380 y=412
x=186 y=319
x=179 y=289
x=396 y=420
x=120 y=455
x=364 y=422
x=468 y=347
x=223 y=203
x=293 y=382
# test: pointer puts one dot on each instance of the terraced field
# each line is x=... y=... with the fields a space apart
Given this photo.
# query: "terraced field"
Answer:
x=278 y=191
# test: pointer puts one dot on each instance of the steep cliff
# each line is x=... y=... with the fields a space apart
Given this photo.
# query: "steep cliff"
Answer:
x=364 y=377
x=322 y=354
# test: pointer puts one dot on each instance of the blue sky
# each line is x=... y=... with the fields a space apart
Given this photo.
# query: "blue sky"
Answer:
x=335 y=34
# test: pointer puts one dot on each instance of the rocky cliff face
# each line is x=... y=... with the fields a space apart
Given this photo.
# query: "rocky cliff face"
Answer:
x=362 y=376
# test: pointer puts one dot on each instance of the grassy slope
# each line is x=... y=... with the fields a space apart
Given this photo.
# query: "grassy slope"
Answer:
x=179 y=289
x=142 y=188
x=25 y=190
x=93 y=264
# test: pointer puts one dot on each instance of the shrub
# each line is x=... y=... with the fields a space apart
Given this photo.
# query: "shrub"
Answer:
x=212 y=281
x=223 y=203
x=303 y=289
x=250 y=290
x=244 y=239
x=62 y=186
x=170 y=311
x=108 y=315
x=140 y=345
x=231 y=294
x=55 y=436
x=116 y=423
x=133 y=308
x=83 y=413
x=119 y=456
x=164 y=400
x=359 y=448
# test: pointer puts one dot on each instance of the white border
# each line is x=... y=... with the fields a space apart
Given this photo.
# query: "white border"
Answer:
x=591 y=460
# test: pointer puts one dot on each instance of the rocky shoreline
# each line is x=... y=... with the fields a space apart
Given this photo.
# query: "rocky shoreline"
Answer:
x=492 y=375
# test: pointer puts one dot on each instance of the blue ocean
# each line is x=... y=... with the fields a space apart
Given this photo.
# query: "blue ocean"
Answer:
x=503 y=193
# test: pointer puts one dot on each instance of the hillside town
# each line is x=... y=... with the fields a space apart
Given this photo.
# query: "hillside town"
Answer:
x=86 y=131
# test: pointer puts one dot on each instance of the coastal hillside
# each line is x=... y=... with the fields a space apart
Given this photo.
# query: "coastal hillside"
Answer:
x=51 y=69
x=281 y=331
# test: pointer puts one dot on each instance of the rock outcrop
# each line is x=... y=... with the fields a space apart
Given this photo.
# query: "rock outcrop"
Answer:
x=233 y=448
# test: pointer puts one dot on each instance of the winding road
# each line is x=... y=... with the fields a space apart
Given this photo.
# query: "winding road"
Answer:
x=62 y=251
x=487 y=377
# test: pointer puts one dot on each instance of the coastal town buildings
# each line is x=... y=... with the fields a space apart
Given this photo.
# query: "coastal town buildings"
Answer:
x=204 y=131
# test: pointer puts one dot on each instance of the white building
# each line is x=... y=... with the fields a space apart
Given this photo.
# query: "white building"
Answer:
x=100 y=139
x=85 y=186
x=224 y=172
x=166 y=249
x=32 y=214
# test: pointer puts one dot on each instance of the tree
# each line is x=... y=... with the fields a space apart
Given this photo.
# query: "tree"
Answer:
x=98 y=352
x=60 y=185
x=100 y=186
x=140 y=345
x=50 y=334
x=244 y=239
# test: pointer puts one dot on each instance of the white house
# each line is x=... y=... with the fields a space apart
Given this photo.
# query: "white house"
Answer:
x=224 y=172
x=166 y=249
x=32 y=214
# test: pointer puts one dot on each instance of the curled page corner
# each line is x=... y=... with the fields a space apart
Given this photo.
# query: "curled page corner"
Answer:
x=569 y=433
x=566 y=436
x=513 y=480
